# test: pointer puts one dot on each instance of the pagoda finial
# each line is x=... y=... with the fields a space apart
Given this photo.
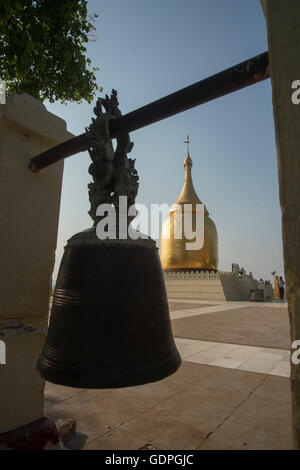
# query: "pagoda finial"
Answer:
x=187 y=141
x=188 y=161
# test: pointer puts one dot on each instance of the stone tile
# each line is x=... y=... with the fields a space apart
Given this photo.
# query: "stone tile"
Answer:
x=201 y=406
x=263 y=421
x=112 y=407
x=189 y=349
x=283 y=352
x=227 y=362
x=180 y=422
x=181 y=411
x=184 y=353
x=54 y=393
x=200 y=358
x=232 y=355
x=250 y=349
x=215 y=352
x=282 y=368
x=218 y=351
x=233 y=380
x=186 y=341
x=204 y=345
x=89 y=420
x=243 y=325
x=174 y=306
x=240 y=354
x=184 y=420
x=259 y=365
x=175 y=315
x=223 y=348
x=120 y=439
x=186 y=313
x=194 y=301
x=270 y=355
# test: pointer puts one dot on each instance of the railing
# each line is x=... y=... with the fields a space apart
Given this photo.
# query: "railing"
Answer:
x=235 y=78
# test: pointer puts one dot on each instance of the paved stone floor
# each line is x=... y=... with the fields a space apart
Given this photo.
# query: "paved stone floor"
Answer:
x=253 y=326
x=231 y=392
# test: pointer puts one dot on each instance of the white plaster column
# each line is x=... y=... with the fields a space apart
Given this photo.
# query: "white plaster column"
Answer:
x=29 y=213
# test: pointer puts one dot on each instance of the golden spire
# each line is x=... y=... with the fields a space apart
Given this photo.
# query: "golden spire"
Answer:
x=188 y=194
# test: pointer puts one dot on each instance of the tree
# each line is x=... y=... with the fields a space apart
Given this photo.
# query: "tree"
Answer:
x=42 y=49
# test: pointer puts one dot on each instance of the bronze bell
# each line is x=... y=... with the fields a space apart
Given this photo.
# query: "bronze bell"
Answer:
x=110 y=324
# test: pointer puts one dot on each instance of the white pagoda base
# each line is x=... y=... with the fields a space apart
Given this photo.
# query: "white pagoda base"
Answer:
x=214 y=285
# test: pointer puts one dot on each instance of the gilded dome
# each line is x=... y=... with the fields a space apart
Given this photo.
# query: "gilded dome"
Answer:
x=173 y=250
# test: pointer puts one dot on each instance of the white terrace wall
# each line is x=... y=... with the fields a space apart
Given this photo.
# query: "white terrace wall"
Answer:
x=220 y=285
x=29 y=212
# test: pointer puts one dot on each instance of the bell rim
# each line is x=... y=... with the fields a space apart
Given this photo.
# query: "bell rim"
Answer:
x=129 y=377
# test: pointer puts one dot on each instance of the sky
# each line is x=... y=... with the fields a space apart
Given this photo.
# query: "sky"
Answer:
x=148 y=49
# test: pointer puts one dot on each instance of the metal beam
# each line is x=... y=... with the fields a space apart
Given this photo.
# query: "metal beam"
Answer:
x=235 y=78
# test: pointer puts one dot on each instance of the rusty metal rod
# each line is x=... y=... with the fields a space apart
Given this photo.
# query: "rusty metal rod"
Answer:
x=235 y=78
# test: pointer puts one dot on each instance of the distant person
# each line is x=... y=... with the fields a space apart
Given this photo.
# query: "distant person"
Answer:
x=276 y=288
x=281 y=287
x=261 y=281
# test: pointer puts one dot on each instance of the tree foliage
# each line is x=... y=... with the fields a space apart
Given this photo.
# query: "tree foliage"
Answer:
x=42 y=49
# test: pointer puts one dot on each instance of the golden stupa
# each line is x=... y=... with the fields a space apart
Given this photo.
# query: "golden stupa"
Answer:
x=173 y=252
